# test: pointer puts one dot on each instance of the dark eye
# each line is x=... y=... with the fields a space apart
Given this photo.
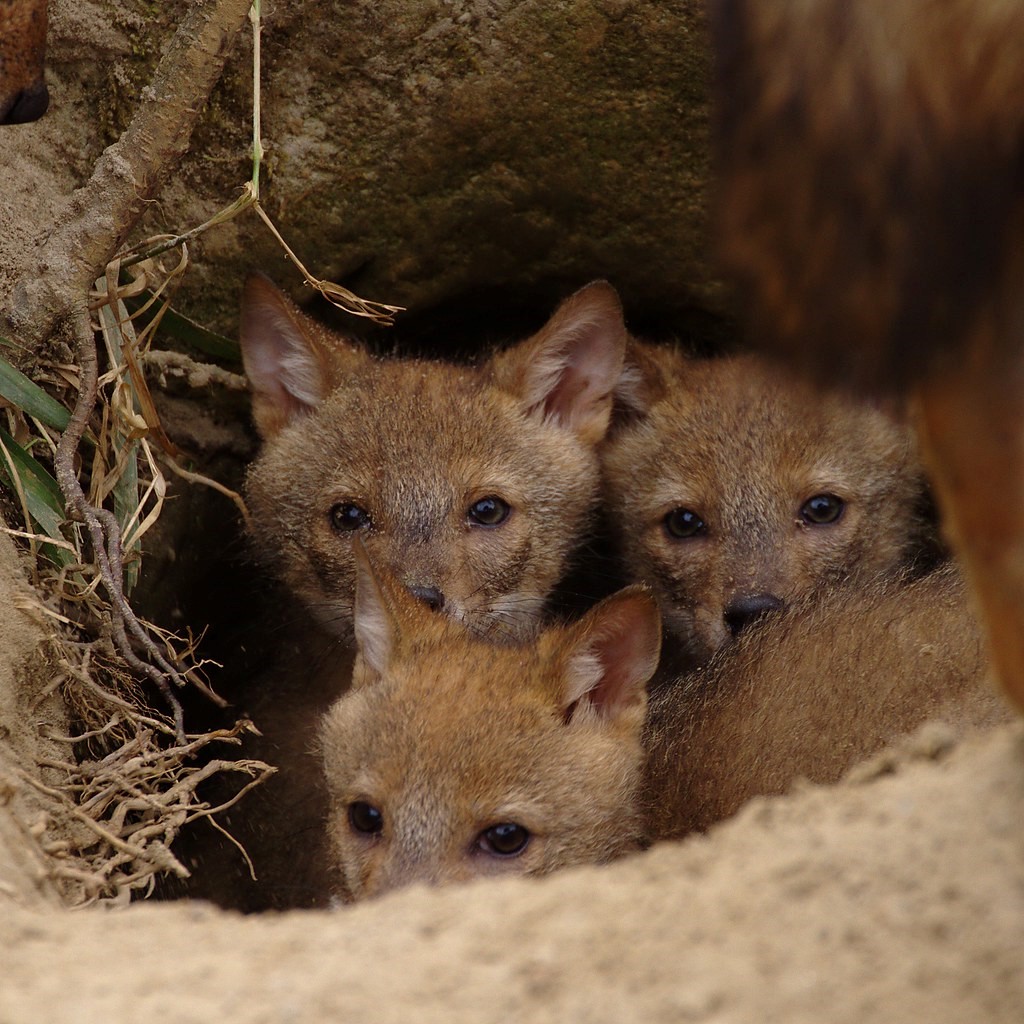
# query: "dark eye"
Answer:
x=364 y=817
x=346 y=517
x=682 y=522
x=505 y=840
x=489 y=511
x=822 y=509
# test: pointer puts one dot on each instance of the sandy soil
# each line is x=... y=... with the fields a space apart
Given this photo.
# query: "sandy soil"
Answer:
x=899 y=898
x=24 y=716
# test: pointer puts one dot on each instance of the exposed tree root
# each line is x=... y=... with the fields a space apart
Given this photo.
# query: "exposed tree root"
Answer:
x=130 y=173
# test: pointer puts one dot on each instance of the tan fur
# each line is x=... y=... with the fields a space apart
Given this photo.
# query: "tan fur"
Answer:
x=23 y=93
x=811 y=692
x=415 y=444
x=744 y=446
x=448 y=736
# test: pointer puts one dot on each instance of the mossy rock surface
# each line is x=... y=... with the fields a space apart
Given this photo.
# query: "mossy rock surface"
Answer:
x=419 y=151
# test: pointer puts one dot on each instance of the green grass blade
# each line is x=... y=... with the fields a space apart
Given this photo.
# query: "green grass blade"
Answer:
x=31 y=398
x=48 y=489
x=42 y=494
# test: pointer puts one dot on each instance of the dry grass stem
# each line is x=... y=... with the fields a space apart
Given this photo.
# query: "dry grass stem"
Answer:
x=379 y=312
x=105 y=533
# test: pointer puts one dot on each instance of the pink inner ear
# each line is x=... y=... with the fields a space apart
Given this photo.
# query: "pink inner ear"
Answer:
x=582 y=381
x=284 y=368
x=578 y=360
x=626 y=671
x=617 y=654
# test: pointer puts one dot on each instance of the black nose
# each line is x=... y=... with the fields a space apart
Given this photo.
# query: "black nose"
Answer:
x=430 y=596
x=29 y=105
x=741 y=612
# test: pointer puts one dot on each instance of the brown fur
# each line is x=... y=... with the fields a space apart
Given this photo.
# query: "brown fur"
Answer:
x=745 y=446
x=447 y=736
x=871 y=208
x=23 y=93
x=812 y=692
x=870 y=174
x=415 y=444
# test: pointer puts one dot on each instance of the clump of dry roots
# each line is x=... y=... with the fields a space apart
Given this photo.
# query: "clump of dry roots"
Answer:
x=88 y=484
x=117 y=814
x=130 y=778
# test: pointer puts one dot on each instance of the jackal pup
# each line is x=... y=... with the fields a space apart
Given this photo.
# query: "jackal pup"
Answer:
x=452 y=759
x=812 y=691
x=735 y=489
x=472 y=485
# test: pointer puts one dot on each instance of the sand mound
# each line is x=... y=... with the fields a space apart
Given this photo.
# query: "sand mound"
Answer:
x=896 y=898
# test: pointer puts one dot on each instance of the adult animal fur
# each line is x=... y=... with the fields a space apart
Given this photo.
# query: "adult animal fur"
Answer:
x=871 y=208
x=23 y=93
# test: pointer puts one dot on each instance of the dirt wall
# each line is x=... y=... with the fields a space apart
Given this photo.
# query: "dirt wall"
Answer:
x=29 y=718
x=416 y=151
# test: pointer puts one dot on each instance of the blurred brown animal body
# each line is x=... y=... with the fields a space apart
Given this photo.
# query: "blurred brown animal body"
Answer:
x=811 y=692
x=23 y=93
x=871 y=208
x=736 y=489
x=453 y=759
x=471 y=485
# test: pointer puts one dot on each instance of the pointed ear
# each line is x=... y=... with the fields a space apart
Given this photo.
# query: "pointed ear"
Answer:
x=377 y=624
x=614 y=651
x=642 y=381
x=388 y=620
x=288 y=357
x=567 y=372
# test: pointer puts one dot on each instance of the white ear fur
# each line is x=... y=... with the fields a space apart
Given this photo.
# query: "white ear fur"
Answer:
x=286 y=370
x=618 y=644
x=574 y=362
x=376 y=627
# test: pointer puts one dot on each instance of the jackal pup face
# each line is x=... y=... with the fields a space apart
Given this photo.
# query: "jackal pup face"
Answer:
x=452 y=759
x=471 y=485
x=735 y=488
